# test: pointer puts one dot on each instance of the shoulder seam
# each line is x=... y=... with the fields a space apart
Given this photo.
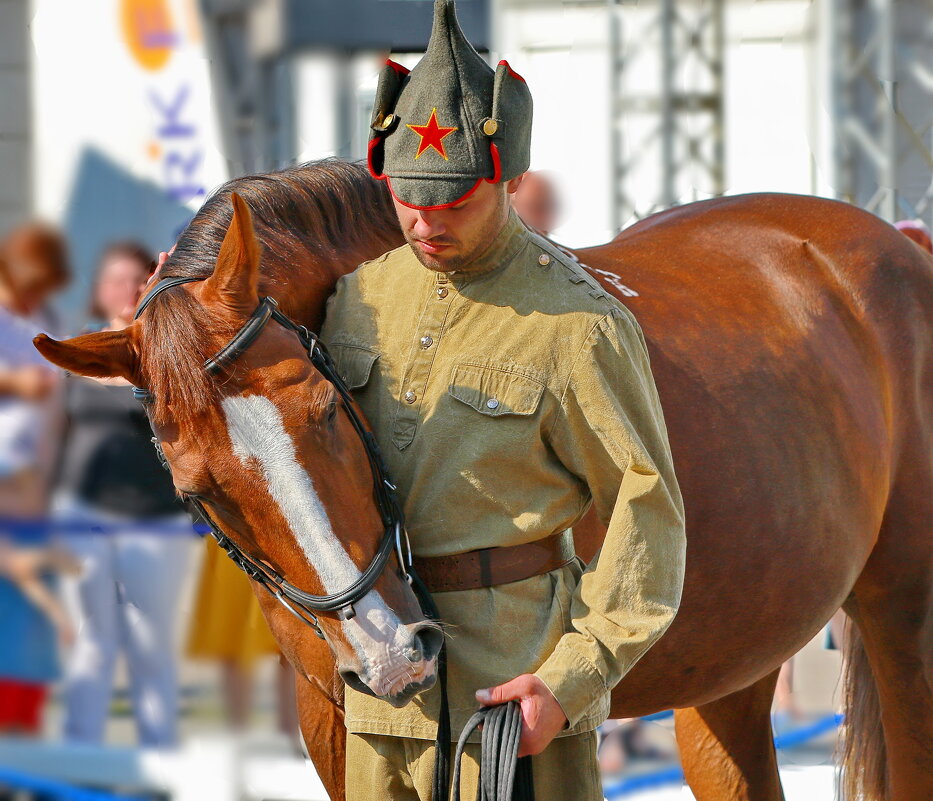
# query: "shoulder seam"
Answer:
x=575 y=268
x=576 y=359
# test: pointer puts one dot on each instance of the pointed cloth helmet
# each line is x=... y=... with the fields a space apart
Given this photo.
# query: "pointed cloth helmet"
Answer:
x=449 y=124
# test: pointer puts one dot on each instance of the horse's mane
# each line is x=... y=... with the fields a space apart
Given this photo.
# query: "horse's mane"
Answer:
x=324 y=212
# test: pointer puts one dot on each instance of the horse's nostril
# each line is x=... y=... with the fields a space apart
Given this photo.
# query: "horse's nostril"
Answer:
x=427 y=644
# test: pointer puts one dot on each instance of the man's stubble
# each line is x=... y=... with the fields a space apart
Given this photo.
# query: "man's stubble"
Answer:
x=492 y=228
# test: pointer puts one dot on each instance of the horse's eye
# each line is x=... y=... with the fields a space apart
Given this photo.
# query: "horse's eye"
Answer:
x=332 y=412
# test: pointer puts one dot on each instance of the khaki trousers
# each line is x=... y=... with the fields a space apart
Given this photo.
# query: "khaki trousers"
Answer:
x=380 y=768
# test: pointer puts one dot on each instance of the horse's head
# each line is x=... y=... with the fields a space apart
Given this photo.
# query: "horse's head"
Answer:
x=268 y=447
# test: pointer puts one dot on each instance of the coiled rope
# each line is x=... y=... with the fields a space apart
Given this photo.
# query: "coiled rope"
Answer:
x=502 y=776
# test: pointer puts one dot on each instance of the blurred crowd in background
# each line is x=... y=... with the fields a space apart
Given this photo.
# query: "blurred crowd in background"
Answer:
x=94 y=544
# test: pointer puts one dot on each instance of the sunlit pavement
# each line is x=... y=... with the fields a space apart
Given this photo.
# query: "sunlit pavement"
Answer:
x=813 y=783
x=807 y=770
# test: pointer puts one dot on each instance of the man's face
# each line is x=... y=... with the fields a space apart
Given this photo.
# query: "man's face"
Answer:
x=450 y=239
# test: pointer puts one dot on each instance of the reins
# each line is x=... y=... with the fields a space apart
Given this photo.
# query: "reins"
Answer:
x=500 y=741
x=503 y=776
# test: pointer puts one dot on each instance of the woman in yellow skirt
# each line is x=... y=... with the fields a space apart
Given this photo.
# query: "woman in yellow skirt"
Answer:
x=227 y=627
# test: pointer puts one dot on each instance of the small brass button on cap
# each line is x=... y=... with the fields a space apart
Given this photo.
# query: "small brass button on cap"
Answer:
x=442 y=291
x=492 y=403
x=490 y=127
x=426 y=342
x=544 y=260
x=410 y=397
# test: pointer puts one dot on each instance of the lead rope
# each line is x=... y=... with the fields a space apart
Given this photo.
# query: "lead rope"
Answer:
x=502 y=775
x=441 y=782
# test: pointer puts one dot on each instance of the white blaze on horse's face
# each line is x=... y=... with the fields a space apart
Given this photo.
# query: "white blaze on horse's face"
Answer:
x=386 y=649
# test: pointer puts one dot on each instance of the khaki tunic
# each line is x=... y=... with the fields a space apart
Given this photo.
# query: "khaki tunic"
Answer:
x=506 y=398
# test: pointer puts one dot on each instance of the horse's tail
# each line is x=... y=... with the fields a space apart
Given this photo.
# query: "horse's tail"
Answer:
x=863 y=760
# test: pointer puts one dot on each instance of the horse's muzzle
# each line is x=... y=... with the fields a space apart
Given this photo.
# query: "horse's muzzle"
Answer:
x=400 y=684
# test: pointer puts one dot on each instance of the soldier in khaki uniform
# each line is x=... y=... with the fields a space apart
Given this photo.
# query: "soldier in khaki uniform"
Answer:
x=507 y=391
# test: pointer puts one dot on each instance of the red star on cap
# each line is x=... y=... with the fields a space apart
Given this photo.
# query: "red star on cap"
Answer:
x=432 y=135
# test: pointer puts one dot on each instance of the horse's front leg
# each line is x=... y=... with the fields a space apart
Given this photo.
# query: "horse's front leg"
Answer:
x=318 y=692
x=320 y=717
x=727 y=747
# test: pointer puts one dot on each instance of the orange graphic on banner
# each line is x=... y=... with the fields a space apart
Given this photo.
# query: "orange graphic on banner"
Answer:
x=148 y=31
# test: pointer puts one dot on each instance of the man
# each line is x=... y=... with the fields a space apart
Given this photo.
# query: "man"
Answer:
x=506 y=389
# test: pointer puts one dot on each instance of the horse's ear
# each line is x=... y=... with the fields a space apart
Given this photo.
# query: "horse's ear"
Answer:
x=235 y=282
x=105 y=354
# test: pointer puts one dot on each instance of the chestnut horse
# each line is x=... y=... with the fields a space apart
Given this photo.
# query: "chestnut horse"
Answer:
x=791 y=339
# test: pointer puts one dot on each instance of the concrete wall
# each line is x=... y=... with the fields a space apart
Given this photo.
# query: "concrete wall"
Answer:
x=15 y=113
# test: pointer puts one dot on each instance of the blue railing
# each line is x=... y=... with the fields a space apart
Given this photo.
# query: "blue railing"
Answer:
x=43 y=528
x=58 y=791
x=647 y=781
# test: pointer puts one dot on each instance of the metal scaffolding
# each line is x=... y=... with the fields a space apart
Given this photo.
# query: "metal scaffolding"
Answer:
x=672 y=126
x=666 y=93
x=253 y=88
x=253 y=46
x=881 y=57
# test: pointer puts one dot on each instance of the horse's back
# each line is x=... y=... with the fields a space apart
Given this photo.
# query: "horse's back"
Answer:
x=781 y=331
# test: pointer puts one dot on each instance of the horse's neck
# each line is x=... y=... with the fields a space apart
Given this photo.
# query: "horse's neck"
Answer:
x=310 y=282
x=307 y=290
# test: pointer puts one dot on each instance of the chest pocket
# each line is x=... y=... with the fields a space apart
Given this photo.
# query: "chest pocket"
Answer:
x=495 y=391
x=354 y=363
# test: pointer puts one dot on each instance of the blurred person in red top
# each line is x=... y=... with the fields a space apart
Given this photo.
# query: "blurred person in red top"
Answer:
x=917 y=231
x=33 y=264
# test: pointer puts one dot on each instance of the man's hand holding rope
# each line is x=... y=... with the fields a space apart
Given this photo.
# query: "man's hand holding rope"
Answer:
x=542 y=716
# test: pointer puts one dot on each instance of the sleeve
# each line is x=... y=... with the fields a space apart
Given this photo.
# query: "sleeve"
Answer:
x=610 y=433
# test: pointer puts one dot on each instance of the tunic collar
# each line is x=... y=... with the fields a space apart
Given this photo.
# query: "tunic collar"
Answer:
x=510 y=240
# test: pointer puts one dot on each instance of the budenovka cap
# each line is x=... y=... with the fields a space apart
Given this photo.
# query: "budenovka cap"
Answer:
x=449 y=124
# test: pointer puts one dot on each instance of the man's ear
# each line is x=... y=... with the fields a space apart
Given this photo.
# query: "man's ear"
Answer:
x=105 y=354
x=511 y=187
x=235 y=281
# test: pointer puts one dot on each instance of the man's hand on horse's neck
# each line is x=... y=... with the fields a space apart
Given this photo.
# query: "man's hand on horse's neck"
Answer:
x=542 y=716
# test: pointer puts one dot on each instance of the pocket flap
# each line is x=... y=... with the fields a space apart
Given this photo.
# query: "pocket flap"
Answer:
x=354 y=363
x=495 y=391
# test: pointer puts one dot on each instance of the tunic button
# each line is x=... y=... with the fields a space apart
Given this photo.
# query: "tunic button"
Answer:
x=442 y=291
x=426 y=342
x=410 y=396
x=492 y=403
x=544 y=260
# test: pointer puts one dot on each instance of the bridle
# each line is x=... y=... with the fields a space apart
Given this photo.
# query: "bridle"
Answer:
x=503 y=724
x=301 y=604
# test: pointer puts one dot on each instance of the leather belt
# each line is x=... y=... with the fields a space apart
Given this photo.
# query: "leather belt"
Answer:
x=488 y=567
